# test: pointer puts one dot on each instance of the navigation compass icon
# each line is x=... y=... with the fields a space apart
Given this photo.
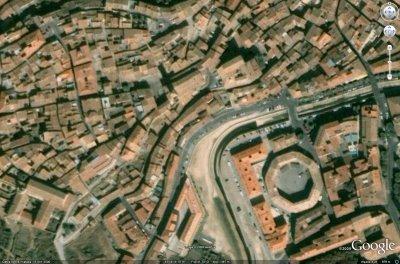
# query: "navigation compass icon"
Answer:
x=389 y=12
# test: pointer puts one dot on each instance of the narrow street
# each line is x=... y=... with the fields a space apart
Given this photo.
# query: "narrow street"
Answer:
x=385 y=115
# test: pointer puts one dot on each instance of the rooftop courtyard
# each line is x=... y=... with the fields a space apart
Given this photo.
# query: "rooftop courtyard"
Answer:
x=293 y=181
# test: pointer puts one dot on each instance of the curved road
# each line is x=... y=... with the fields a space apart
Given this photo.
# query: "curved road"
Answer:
x=259 y=110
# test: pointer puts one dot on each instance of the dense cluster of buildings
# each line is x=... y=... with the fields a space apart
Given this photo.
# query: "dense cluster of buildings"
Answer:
x=98 y=99
x=343 y=179
x=358 y=228
x=359 y=176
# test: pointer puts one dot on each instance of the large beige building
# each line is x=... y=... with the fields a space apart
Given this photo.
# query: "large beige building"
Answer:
x=293 y=182
x=38 y=203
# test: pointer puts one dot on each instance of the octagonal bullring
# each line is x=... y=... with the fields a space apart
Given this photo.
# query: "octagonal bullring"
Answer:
x=293 y=182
